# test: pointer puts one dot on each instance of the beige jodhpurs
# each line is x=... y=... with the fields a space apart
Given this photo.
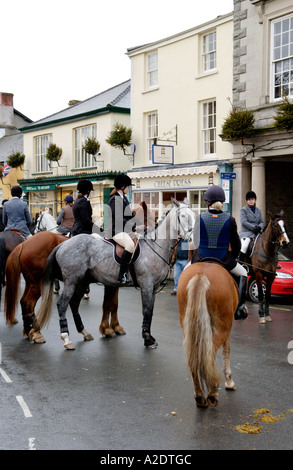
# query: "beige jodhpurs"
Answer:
x=124 y=240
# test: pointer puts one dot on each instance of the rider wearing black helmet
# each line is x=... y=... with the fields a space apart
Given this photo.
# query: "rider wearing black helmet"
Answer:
x=251 y=223
x=215 y=234
x=65 y=218
x=82 y=209
x=120 y=224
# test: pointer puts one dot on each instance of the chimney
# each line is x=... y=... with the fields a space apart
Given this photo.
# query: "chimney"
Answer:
x=7 y=124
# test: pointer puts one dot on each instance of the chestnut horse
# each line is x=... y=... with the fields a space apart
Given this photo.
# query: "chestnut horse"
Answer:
x=9 y=239
x=30 y=260
x=207 y=298
x=264 y=260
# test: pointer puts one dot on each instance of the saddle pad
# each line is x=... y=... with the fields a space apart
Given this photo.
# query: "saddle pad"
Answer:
x=118 y=250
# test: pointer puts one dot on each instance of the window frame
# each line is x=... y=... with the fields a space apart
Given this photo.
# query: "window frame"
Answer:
x=152 y=132
x=206 y=55
x=41 y=144
x=208 y=130
x=151 y=71
x=82 y=159
x=285 y=61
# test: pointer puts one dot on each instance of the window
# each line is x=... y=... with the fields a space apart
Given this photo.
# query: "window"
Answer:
x=151 y=132
x=209 y=127
x=152 y=69
x=41 y=146
x=282 y=57
x=83 y=159
x=209 y=51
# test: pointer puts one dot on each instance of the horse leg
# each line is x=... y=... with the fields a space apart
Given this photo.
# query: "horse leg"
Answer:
x=259 y=279
x=74 y=305
x=229 y=383
x=28 y=302
x=269 y=282
x=62 y=305
x=148 y=300
x=199 y=396
x=110 y=306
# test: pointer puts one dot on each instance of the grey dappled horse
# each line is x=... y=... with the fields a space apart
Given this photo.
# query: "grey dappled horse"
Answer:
x=85 y=259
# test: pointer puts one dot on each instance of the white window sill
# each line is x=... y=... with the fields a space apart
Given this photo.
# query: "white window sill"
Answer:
x=154 y=88
x=206 y=74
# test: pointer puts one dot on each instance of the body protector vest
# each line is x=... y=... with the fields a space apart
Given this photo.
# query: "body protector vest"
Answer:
x=214 y=234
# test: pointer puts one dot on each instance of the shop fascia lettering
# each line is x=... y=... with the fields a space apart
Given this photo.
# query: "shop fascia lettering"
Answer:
x=173 y=183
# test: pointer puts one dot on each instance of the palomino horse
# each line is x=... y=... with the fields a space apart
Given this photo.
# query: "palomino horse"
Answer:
x=264 y=260
x=9 y=239
x=207 y=299
x=85 y=259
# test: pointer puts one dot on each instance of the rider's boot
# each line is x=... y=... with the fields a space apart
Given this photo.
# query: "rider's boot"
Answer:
x=240 y=313
x=125 y=260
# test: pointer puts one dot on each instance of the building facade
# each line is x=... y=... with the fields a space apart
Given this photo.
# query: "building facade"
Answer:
x=47 y=183
x=180 y=91
x=11 y=142
x=262 y=77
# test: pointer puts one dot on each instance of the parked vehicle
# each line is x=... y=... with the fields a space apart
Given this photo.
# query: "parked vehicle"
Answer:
x=283 y=282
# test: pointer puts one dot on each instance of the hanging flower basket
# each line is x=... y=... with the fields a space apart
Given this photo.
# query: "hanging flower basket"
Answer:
x=120 y=137
x=54 y=153
x=15 y=159
x=238 y=124
x=284 y=117
x=91 y=146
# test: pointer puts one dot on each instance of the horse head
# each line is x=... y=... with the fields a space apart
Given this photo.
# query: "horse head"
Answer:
x=45 y=222
x=279 y=228
x=185 y=218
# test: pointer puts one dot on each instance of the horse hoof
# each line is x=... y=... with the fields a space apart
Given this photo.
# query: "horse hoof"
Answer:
x=119 y=331
x=87 y=336
x=70 y=346
x=201 y=402
x=212 y=400
x=108 y=333
x=230 y=385
x=268 y=318
x=36 y=337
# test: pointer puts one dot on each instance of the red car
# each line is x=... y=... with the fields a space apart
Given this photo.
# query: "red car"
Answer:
x=283 y=282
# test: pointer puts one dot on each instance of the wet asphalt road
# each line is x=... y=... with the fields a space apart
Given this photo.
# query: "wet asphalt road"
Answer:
x=112 y=394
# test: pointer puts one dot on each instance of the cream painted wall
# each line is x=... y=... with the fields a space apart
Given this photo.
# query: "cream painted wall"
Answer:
x=181 y=90
x=63 y=135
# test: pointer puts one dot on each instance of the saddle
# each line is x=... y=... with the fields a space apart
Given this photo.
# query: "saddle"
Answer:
x=218 y=261
x=117 y=253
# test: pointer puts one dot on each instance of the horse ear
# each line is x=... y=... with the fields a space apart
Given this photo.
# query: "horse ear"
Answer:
x=282 y=213
x=176 y=203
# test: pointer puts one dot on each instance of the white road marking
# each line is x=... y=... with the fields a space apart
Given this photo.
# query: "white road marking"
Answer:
x=31 y=443
x=24 y=406
x=5 y=376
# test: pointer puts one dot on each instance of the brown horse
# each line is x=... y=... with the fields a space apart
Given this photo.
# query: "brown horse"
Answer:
x=9 y=239
x=264 y=260
x=30 y=260
x=207 y=299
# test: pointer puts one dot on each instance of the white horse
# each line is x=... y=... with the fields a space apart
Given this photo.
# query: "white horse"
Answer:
x=46 y=222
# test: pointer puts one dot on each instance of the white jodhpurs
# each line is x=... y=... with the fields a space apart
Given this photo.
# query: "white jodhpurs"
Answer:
x=245 y=244
x=124 y=240
x=239 y=270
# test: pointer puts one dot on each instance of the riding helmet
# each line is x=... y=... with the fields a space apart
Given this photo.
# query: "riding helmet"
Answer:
x=85 y=186
x=121 y=181
x=16 y=191
x=250 y=195
x=215 y=193
x=68 y=198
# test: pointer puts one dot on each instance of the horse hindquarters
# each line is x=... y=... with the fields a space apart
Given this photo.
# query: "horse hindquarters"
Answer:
x=198 y=341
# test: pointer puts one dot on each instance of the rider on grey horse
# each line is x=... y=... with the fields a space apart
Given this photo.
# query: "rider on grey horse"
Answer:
x=119 y=228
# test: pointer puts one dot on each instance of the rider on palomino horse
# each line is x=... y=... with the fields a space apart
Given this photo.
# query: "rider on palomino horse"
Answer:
x=216 y=236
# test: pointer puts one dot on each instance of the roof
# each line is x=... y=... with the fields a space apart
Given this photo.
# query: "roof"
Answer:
x=114 y=99
x=10 y=144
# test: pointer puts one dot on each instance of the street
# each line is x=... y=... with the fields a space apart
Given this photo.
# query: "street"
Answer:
x=113 y=394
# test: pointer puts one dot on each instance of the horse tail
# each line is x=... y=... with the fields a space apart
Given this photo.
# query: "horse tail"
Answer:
x=12 y=272
x=198 y=334
x=51 y=273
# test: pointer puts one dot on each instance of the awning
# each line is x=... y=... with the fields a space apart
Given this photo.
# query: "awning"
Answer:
x=160 y=173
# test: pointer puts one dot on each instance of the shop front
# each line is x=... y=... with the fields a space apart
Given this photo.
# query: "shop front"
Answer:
x=157 y=187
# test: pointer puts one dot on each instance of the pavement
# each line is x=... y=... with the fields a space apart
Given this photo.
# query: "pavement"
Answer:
x=113 y=394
